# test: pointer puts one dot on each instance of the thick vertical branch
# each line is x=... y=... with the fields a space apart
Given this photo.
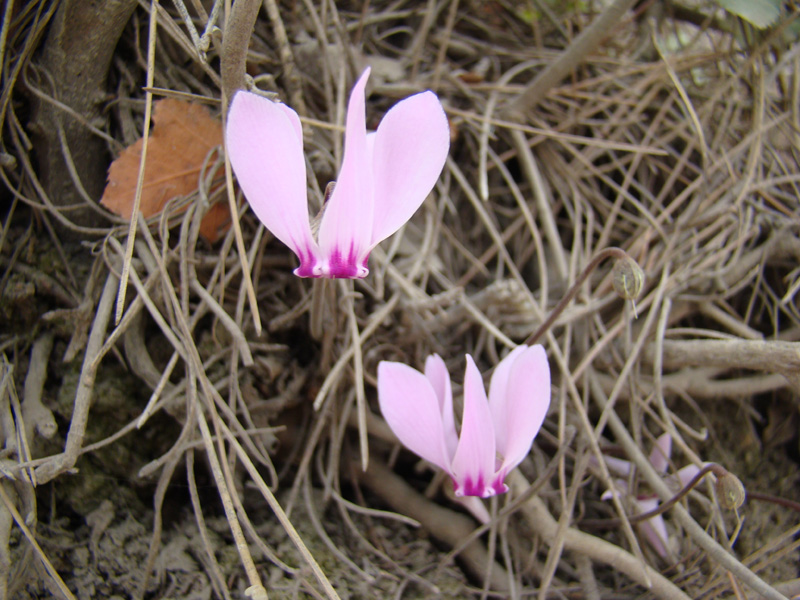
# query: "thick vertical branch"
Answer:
x=238 y=29
x=75 y=61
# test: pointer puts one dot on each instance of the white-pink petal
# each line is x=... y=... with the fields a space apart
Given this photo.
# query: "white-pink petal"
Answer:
x=345 y=232
x=498 y=393
x=653 y=529
x=265 y=144
x=662 y=450
x=618 y=466
x=437 y=374
x=527 y=399
x=473 y=465
x=409 y=405
x=408 y=153
x=686 y=474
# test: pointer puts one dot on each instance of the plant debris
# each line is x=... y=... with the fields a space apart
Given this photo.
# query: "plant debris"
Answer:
x=181 y=141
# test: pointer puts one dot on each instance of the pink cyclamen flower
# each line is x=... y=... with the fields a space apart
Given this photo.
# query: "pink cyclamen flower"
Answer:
x=496 y=432
x=653 y=529
x=384 y=178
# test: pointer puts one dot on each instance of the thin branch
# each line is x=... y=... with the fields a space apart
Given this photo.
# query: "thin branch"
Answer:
x=591 y=37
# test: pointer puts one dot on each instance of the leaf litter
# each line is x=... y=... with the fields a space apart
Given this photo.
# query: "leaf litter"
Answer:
x=682 y=150
x=183 y=136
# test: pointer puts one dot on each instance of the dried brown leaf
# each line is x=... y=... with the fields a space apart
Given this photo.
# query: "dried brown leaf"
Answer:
x=182 y=136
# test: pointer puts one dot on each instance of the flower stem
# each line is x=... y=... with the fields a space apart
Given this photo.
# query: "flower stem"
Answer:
x=785 y=502
x=319 y=290
x=716 y=469
x=617 y=253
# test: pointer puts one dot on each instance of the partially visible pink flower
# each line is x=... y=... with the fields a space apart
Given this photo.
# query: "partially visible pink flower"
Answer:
x=384 y=178
x=653 y=529
x=496 y=432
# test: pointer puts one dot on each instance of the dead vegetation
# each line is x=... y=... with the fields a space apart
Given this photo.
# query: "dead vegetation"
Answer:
x=202 y=434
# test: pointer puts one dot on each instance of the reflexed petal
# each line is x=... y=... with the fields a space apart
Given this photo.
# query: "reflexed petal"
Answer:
x=436 y=372
x=527 y=399
x=659 y=456
x=622 y=488
x=409 y=406
x=345 y=231
x=498 y=396
x=684 y=475
x=293 y=118
x=409 y=152
x=265 y=145
x=618 y=466
x=654 y=529
x=474 y=461
x=476 y=507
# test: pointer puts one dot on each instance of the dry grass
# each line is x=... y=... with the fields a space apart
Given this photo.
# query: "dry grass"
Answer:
x=675 y=141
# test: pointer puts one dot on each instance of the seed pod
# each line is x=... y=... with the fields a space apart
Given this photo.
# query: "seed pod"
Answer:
x=628 y=278
x=730 y=491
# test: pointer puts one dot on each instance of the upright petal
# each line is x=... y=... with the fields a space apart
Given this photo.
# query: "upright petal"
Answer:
x=519 y=414
x=346 y=228
x=474 y=461
x=498 y=395
x=436 y=372
x=265 y=144
x=409 y=406
x=408 y=154
x=659 y=455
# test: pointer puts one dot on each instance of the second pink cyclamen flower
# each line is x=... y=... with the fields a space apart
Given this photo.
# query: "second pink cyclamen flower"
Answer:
x=496 y=432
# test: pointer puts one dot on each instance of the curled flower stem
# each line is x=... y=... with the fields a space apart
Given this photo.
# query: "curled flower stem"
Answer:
x=716 y=469
x=617 y=253
x=785 y=502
